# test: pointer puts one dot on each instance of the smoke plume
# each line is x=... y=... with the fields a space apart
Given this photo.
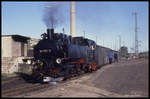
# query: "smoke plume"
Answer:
x=53 y=16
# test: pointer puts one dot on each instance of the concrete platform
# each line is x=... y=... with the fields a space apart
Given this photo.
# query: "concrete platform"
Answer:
x=128 y=78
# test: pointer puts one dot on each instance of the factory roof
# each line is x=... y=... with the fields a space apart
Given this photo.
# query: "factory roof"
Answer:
x=18 y=38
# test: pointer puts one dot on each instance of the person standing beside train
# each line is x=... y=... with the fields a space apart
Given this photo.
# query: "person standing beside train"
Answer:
x=116 y=57
x=110 y=57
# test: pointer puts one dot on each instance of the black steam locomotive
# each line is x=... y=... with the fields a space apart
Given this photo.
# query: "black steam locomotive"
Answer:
x=59 y=55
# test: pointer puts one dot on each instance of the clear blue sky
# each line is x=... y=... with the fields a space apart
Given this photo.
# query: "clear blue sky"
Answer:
x=106 y=20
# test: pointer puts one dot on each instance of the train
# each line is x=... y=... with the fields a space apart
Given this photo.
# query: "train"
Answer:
x=59 y=55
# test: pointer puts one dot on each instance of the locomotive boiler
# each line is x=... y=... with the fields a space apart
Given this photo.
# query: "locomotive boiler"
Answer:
x=59 y=55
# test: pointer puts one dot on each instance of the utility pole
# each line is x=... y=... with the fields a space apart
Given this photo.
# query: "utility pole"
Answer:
x=96 y=39
x=63 y=31
x=119 y=47
x=136 y=36
x=103 y=42
x=119 y=42
x=115 y=45
x=123 y=43
x=84 y=33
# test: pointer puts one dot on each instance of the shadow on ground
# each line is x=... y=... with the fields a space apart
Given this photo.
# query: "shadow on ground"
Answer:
x=27 y=77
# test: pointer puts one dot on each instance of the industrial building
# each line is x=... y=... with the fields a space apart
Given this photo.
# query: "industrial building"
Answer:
x=14 y=49
x=144 y=54
x=124 y=51
x=14 y=45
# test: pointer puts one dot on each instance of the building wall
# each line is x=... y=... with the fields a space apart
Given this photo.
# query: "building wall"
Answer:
x=11 y=48
x=124 y=51
x=11 y=54
x=6 y=46
x=25 y=49
x=16 y=48
x=19 y=49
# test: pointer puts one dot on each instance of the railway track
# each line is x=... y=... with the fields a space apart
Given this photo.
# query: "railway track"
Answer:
x=9 y=79
x=17 y=86
x=22 y=89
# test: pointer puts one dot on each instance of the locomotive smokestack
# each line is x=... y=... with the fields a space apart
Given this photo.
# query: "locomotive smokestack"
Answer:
x=50 y=33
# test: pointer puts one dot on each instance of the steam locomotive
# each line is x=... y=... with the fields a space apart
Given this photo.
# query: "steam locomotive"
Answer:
x=59 y=55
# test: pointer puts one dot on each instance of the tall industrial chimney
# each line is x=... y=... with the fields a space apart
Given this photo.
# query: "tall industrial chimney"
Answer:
x=136 y=35
x=72 y=19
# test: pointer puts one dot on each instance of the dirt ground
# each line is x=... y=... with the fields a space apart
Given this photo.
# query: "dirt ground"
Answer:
x=123 y=79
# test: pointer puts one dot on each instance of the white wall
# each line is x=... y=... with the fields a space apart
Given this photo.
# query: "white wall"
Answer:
x=6 y=46
x=11 y=48
x=16 y=48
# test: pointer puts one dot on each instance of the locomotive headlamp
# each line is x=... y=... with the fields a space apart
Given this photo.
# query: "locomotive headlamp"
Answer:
x=58 y=60
x=28 y=61
x=41 y=64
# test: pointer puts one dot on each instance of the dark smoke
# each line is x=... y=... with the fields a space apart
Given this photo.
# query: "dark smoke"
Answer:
x=53 y=16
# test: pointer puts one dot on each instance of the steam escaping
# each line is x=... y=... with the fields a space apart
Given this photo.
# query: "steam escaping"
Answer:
x=53 y=16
